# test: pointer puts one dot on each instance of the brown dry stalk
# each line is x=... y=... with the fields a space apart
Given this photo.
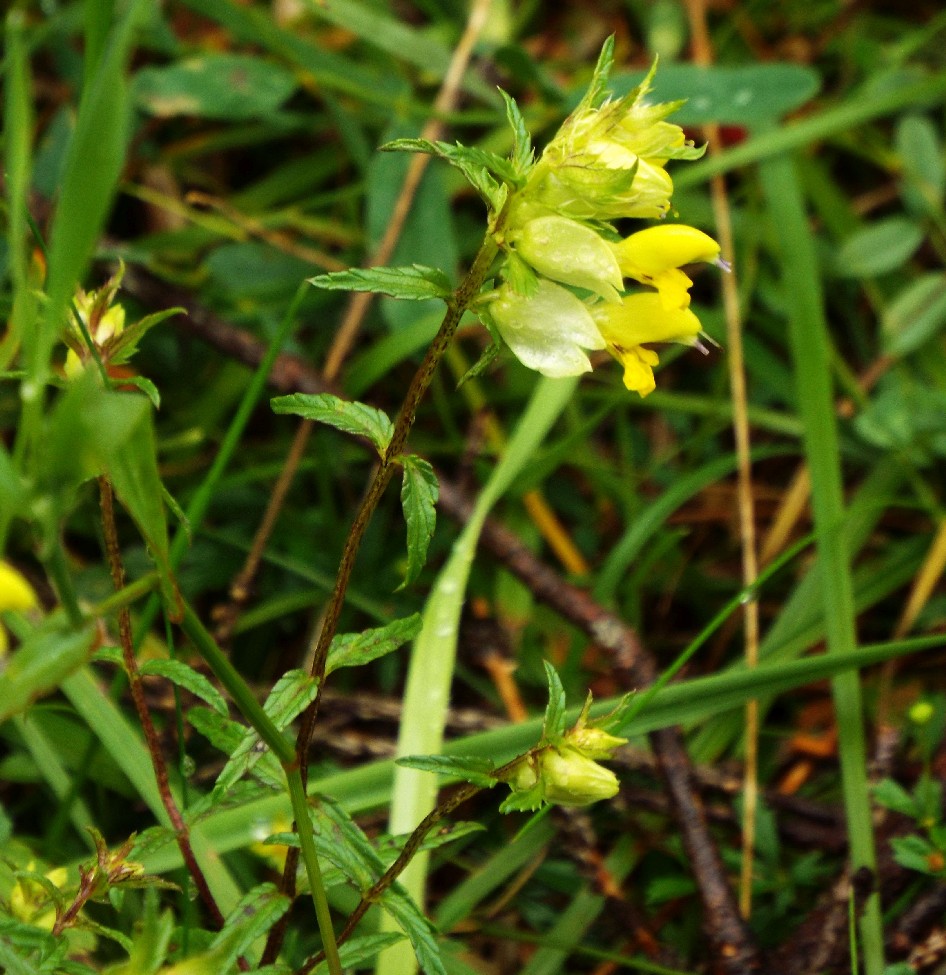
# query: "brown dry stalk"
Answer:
x=703 y=55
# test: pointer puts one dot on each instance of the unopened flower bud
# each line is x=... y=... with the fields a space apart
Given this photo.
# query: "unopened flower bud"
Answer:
x=594 y=742
x=570 y=778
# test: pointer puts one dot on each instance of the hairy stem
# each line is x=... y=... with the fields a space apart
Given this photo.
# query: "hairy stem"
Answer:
x=126 y=638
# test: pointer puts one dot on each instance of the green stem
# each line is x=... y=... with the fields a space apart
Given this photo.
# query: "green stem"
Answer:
x=238 y=689
x=300 y=812
x=282 y=748
x=59 y=572
x=125 y=596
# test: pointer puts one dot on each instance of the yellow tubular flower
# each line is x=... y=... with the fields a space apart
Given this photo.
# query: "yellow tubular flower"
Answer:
x=638 y=319
x=654 y=256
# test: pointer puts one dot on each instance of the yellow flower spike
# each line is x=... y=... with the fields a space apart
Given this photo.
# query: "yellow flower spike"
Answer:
x=654 y=256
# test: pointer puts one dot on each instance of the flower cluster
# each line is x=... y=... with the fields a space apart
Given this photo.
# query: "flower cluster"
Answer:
x=563 y=278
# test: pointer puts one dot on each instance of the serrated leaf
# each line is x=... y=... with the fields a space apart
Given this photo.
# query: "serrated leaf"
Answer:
x=354 y=649
x=522 y=140
x=486 y=359
x=553 y=727
x=256 y=912
x=146 y=386
x=355 y=952
x=415 y=283
x=223 y=733
x=419 y=492
x=478 y=771
x=465 y=158
x=121 y=347
x=524 y=800
x=184 y=676
x=291 y=695
x=599 y=78
x=342 y=842
x=420 y=932
x=349 y=417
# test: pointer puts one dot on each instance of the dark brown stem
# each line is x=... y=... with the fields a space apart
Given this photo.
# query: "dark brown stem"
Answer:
x=181 y=831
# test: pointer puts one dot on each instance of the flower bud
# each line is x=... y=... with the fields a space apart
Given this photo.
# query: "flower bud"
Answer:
x=593 y=742
x=570 y=778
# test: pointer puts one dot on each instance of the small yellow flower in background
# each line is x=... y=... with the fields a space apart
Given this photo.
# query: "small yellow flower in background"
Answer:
x=31 y=902
x=15 y=594
x=101 y=327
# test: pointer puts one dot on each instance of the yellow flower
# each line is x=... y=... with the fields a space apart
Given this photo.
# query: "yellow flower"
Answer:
x=101 y=327
x=654 y=257
x=30 y=901
x=642 y=318
x=15 y=594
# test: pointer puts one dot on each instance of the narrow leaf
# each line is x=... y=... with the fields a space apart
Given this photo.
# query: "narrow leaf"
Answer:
x=478 y=771
x=522 y=140
x=291 y=694
x=415 y=283
x=179 y=673
x=463 y=157
x=357 y=418
x=554 y=724
x=354 y=649
x=252 y=918
x=419 y=492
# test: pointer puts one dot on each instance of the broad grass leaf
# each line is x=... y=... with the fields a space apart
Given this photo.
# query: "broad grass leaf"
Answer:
x=221 y=86
x=884 y=246
x=44 y=659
